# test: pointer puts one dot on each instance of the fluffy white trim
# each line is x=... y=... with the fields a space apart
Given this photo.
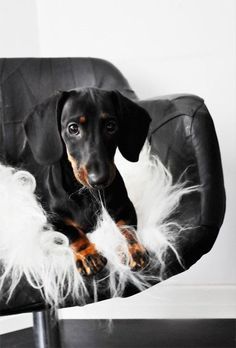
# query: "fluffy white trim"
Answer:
x=29 y=246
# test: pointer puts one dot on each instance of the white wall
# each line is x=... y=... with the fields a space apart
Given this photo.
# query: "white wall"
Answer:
x=162 y=47
x=18 y=28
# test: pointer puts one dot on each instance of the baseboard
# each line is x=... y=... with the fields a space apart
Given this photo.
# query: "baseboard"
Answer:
x=17 y=322
x=170 y=302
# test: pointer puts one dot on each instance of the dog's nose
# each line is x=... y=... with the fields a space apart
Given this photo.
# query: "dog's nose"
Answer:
x=98 y=180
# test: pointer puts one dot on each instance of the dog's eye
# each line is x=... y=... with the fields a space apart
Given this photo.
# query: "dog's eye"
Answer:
x=111 y=126
x=73 y=128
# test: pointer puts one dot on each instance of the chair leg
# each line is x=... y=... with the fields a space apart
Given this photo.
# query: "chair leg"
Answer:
x=46 y=329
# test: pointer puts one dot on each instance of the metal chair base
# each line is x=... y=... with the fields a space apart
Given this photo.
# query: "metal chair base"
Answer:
x=46 y=329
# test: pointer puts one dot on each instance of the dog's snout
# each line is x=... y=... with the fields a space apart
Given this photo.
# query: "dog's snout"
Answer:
x=98 y=180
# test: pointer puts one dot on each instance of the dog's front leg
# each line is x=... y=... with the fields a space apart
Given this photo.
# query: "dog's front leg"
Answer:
x=88 y=260
x=138 y=254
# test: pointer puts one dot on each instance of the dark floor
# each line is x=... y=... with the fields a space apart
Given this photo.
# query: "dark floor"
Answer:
x=145 y=333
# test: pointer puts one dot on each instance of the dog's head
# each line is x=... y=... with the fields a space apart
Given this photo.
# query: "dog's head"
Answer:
x=88 y=124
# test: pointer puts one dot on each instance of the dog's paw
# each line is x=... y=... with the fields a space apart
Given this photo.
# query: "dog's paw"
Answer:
x=89 y=261
x=139 y=257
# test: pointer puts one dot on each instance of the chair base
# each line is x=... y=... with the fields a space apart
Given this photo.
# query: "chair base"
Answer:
x=46 y=329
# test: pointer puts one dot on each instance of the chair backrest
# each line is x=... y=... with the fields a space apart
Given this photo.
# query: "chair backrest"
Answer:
x=26 y=82
x=33 y=79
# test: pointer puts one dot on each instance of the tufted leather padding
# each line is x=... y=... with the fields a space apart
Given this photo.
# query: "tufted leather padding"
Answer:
x=182 y=134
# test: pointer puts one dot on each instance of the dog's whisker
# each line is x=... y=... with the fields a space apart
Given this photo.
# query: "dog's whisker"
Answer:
x=79 y=191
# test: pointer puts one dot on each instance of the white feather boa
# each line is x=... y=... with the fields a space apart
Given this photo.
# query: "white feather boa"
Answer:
x=44 y=257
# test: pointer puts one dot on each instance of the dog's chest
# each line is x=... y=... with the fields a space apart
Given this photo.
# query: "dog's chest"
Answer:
x=86 y=209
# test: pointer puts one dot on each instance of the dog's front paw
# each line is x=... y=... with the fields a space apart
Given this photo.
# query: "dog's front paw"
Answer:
x=139 y=257
x=89 y=261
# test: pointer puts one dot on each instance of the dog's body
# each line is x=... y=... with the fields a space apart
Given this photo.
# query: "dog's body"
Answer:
x=71 y=142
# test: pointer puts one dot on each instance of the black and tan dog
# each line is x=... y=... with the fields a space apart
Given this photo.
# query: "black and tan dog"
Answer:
x=72 y=138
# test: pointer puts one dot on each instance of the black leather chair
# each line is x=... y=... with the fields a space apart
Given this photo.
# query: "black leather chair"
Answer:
x=181 y=133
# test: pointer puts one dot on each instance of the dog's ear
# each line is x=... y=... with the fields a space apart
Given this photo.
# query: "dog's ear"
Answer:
x=133 y=123
x=42 y=129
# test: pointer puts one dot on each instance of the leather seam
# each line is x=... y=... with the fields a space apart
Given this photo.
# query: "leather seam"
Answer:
x=194 y=116
x=14 y=71
x=170 y=119
x=195 y=154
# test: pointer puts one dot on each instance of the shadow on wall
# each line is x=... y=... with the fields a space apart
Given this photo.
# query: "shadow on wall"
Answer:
x=19 y=34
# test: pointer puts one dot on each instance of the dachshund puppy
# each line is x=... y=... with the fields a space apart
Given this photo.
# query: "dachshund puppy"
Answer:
x=72 y=138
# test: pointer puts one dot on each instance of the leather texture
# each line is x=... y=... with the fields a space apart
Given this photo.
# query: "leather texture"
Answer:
x=182 y=134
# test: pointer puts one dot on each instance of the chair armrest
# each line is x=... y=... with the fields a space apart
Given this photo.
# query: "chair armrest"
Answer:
x=182 y=134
